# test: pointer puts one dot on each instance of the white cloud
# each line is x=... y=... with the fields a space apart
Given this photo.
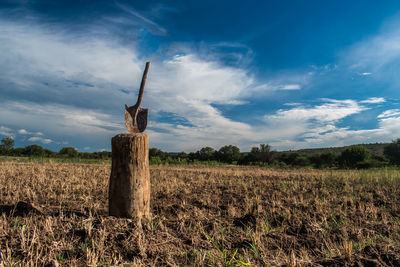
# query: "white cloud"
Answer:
x=150 y=25
x=22 y=131
x=189 y=78
x=6 y=131
x=290 y=87
x=25 y=132
x=51 y=54
x=389 y=113
x=374 y=100
x=377 y=52
x=317 y=126
x=59 y=119
x=329 y=112
x=307 y=122
x=391 y=126
x=40 y=139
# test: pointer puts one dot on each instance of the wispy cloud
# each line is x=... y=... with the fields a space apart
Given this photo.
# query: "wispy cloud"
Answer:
x=25 y=132
x=374 y=100
x=22 y=131
x=290 y=87
x=389 y=113
x=331 y=111
x=40 y=139
x=148 y=23
x=317 y=126
x=377 y=52
x=6 y=131
x=56 y=119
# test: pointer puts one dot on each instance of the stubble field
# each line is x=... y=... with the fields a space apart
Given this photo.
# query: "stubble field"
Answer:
x=55 y=214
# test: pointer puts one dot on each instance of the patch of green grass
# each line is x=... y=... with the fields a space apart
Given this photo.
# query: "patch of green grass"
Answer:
x=153 y=223
x=224 y=256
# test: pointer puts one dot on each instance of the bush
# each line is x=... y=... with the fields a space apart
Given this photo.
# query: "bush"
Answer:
x=69 y=152
x=370 y=163
x=324 y=160
x=155 y=152
x=353 y=156
x=288 y=158
x=205 y=154
x=34 y=150
x=228 y=154
x=392 y=152
x=262 y=154
x=301 y=161
x=6 y=146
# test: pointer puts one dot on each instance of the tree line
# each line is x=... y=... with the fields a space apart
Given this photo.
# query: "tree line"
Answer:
x=7 y=149
x=353 y=157
x=357 y=156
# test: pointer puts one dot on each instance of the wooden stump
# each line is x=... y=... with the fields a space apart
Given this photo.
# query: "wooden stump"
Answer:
x=129 y=192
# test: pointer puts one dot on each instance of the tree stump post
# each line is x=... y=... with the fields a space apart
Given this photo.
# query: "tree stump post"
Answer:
x=129 y=191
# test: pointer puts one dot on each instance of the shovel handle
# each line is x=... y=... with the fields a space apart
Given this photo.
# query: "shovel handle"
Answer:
x=142 y=84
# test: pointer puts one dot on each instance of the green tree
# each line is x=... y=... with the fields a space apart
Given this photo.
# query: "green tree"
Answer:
x=353 y=156
x=7 y=143
x=192 y=156
x=19 y=151
x=289 y=158
x=392 y=152
x=262 y=153
x=182 y=156
x=324 y=160
x=155 y=152
x=205 y=154
x=228 y=154
x=301 y=161
x=99 y=154
x=34 y=150
x=49 y=153
x=69 y=152
x=6 y=146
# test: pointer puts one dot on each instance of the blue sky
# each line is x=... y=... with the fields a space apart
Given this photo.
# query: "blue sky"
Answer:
x=293 y=74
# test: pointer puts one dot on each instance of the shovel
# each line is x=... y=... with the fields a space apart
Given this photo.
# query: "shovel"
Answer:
x=135 y=116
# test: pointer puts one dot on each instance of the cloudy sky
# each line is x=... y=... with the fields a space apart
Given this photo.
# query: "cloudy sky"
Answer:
x=293 y=74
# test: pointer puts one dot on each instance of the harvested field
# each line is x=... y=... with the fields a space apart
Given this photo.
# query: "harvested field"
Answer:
x=56 y=214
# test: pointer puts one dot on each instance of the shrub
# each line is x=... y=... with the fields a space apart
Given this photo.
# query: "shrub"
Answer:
x=353 y=156
x=69 y=152
x=34 y=150
x=228 y=154
x=7 y=145
x=392 y=152
x=205 y=154
x=324 y=160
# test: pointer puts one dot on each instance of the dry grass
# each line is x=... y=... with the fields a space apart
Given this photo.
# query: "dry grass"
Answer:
x=56 y=214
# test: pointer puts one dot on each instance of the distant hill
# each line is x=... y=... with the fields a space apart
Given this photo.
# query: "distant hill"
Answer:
x=376 y=148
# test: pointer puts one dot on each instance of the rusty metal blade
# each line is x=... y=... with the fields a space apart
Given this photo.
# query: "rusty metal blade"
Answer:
x=136 y=117
x=141 y=121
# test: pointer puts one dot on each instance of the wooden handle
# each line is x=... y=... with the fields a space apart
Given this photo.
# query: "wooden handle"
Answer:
x=142 y=84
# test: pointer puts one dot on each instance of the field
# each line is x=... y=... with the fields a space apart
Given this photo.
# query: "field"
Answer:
x=55 y=214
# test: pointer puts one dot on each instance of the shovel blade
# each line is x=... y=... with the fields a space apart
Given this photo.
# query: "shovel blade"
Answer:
x=138 y=124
